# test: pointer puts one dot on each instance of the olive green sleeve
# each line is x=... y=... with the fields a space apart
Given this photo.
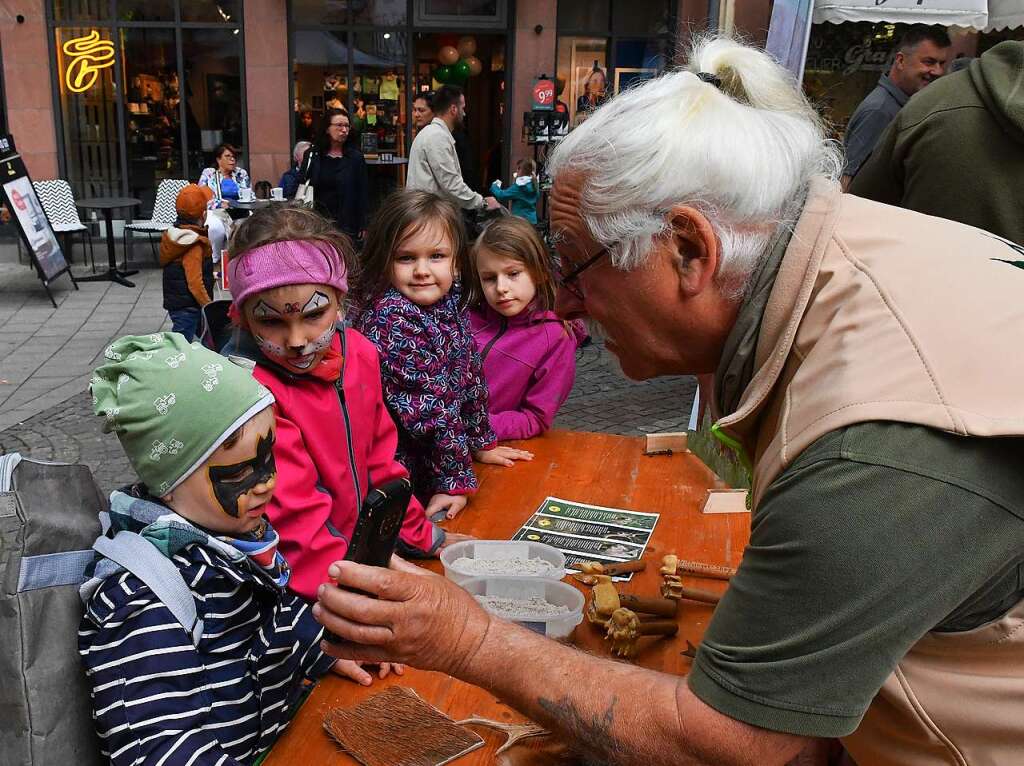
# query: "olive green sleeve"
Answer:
x=861 y=547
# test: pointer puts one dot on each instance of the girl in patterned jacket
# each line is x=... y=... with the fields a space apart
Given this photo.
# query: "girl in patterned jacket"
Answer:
x=411 y=308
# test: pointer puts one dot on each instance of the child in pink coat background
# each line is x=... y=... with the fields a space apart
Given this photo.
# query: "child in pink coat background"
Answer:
x=528 y=353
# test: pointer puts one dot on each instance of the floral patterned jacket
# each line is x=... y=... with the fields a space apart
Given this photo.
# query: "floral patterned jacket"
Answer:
x=433 y=386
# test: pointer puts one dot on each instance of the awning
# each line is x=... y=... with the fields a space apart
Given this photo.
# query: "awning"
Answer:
x=1005 y=14
x=949 y=13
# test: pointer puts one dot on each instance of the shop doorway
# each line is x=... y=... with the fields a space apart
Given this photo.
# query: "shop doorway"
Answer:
x=478 y=63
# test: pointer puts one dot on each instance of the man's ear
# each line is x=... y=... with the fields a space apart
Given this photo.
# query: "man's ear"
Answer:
x=695 y=248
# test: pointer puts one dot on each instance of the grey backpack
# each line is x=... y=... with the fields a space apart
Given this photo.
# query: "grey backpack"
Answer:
x=49 y=519
x=50 y=527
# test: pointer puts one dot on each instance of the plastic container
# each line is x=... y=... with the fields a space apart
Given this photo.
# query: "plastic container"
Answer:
x=554 y=592
x=497 y=550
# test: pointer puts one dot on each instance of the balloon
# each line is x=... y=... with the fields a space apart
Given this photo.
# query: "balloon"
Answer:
x=447 y=55
x=443 y=74
x=475 y=66
x=467 y=46
x=462 y=70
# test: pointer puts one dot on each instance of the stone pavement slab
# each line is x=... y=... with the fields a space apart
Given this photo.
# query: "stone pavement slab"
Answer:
x=47 y=354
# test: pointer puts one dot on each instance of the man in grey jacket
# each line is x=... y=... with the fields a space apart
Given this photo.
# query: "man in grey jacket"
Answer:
x=920 y=59
x=433 y=163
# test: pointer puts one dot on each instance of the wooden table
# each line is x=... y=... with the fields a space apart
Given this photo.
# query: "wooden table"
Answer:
x=593 y=468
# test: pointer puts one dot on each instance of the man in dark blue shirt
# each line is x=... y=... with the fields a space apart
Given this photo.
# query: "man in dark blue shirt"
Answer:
x=920 y=59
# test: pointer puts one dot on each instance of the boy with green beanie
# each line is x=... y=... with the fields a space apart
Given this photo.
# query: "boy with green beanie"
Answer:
x=195 y=651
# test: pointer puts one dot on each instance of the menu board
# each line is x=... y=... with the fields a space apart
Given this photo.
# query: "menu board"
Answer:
x=27 y=212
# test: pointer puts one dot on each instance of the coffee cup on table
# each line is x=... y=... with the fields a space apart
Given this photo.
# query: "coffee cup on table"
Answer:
x=277 y=193
x=245 y=195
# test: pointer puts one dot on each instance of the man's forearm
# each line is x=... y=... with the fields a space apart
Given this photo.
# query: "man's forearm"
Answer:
x=614 y=712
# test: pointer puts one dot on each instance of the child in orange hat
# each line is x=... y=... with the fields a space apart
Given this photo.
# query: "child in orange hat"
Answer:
x=186 y=257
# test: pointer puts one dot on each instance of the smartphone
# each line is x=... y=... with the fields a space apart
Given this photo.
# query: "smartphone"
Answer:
x=379 y=522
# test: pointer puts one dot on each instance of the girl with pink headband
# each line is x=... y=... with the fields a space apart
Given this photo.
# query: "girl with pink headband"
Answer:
x=288 y=271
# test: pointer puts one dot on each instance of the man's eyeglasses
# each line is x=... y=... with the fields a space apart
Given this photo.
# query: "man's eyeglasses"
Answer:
x=568 y=281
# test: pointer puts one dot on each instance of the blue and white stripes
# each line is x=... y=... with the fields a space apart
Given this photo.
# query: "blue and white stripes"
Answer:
x=158 y=699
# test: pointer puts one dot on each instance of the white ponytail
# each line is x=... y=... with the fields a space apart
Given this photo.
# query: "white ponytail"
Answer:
x=743 y=152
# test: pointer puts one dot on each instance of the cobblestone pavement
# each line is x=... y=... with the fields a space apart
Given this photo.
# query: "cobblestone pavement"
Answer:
x=46 y=358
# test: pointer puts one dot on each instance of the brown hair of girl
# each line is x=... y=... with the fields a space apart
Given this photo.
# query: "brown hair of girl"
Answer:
x=291 y=222
x=515 y=238
x=403 y=214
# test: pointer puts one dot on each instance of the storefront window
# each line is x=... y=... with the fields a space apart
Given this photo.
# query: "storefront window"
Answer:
x=213 y=94
x=384 y=13
x=88 y=115
x=320 y=74
x=582 y=73
x=81 y=10
x=650 y=17
x=145 y=99
x=224 y=11
x=378 y=98
x=461 y=7
x=320 y=11
x=601 y=53
x=152 y=111
x=636 y=60
x=583 y=16
x=145 y=10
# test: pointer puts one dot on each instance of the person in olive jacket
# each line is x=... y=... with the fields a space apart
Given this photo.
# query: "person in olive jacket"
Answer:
x=187 y=260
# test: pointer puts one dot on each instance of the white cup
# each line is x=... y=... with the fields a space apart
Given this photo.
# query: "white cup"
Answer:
x=277 y=193
x=245 y=195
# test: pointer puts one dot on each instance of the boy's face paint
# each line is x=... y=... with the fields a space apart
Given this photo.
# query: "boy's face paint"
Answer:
x=230 y=483
x=227 y=493
x=295 y=324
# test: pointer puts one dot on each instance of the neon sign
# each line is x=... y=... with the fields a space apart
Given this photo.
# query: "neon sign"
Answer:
x=87 y=56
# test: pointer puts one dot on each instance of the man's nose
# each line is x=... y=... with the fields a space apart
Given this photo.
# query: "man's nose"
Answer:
x=568 y=306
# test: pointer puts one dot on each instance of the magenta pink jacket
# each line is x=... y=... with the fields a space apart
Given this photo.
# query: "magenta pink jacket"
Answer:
x=330 y=451
x=529 y=365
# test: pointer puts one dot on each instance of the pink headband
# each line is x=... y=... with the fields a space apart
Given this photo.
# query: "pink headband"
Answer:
x=292 y=262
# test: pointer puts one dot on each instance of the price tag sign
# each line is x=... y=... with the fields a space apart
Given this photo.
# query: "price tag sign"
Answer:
x=543 y=94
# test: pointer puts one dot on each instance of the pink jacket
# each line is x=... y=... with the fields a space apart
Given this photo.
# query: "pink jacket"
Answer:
x=330 y=451
x=529 y=365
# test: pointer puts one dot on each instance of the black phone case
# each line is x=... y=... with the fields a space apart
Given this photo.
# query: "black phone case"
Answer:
x=380 y=520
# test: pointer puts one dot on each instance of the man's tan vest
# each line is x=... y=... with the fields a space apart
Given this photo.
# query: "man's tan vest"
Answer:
x=880 y=313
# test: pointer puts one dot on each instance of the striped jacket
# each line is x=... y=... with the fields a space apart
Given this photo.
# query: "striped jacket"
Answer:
x=159 y=699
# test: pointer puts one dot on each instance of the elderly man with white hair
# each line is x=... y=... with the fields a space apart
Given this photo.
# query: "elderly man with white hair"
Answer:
x=867 y=369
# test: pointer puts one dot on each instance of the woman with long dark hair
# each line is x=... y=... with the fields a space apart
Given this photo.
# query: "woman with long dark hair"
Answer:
x=337 y=171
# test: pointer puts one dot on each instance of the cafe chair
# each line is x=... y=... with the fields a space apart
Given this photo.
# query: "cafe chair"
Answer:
x=162 y=218
x=58 y=203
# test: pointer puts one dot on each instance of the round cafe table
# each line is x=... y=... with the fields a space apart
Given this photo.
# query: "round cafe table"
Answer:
x=107 y=205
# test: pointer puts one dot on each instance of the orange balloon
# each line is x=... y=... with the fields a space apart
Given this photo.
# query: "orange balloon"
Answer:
x=467 y=46
x=475 y=66
x=447 y=55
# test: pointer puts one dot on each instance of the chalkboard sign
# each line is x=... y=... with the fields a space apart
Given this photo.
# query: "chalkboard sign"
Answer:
x=27 y=212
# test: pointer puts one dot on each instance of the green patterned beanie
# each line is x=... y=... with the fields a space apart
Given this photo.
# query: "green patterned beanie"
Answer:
x=172 y=403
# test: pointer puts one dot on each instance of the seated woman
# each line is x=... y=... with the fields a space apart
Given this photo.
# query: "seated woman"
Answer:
x=226 y=179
